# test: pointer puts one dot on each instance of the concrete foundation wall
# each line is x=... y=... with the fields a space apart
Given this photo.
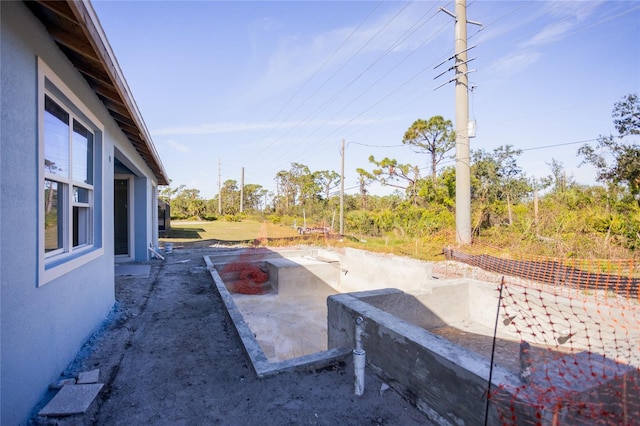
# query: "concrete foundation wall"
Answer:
x=478 y=302
x=440 y=306
x=261 y=364
x=361 y=270
x=301 y=277
x=445 y=381
x=448 y=382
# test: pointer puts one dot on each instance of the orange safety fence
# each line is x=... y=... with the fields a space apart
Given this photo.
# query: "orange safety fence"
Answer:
x=578 y=324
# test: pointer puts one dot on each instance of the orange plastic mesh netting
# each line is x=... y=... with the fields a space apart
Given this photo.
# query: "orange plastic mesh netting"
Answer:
x=578 y=323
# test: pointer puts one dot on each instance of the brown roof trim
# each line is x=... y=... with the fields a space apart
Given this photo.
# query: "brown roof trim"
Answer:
x=76 y=29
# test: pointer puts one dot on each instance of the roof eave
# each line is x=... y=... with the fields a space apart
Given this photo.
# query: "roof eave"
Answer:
x=88 y=49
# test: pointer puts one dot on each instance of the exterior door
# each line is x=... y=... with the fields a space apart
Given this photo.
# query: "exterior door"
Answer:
x=121 y=216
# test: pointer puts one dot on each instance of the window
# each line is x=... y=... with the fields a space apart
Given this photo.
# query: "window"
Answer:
x=68 y=180
x=70 y=166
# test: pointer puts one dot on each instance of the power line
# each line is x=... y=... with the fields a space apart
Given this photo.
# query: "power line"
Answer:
x=407 y=33
x=317 y=71
x=490 y=24
x=377 y=146
x=391 y=69
x=306 y=120
x=319 y=146
x=559 y=144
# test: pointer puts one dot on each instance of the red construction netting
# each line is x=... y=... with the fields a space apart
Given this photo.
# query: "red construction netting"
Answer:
x=245 y=278
x=578 y=324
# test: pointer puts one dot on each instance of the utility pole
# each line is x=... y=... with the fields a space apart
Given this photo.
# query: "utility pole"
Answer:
x=242 y=190
x=463 y=153
x=219 y=189
x=342 y=189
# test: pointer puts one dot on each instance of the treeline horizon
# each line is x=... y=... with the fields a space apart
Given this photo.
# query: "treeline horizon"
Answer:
x=508 y=207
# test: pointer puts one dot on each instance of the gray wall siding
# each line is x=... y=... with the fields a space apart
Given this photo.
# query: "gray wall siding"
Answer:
x=142 y=217
x=42 y=328
x=145 y=211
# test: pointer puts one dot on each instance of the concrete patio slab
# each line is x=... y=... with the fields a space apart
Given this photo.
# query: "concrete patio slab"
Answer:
x=88 y=377
x=141 y=271
x=72 y=399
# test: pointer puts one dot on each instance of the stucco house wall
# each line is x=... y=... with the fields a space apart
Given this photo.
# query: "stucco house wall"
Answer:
x=44 y=324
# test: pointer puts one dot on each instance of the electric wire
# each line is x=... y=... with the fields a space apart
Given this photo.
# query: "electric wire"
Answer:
x=327 y=60
x=390 y=93
x=388 y=72
x=577 y=30
x=369 y=88
x=369 y=41
x=522 y=6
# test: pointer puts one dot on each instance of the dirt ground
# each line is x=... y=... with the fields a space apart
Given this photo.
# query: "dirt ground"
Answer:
x=168 y=354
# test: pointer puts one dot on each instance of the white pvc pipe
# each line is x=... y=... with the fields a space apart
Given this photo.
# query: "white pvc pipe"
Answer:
x=155 y=253
x=359 y=359
x=359 y=321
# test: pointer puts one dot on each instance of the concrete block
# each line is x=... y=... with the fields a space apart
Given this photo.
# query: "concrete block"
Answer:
x=62 y=383
x=72 y=399
x=88 y=377
x=432 y=373
x=302 y=277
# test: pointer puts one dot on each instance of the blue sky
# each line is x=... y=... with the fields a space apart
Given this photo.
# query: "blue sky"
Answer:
x=263 y=84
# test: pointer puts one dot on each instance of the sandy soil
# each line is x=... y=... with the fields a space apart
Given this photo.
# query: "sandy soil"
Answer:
x=168 y=356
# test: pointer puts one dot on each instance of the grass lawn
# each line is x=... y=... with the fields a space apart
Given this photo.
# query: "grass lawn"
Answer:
x=188 y=231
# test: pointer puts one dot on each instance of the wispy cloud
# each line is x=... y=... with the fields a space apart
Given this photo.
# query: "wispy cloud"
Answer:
x=177 y=146
x=549 y=34
x=576 y=10
x=258 y=28
x=554 y=21
x=211 y=128
x=298 y=58
x=237 y=127
x=514 y=63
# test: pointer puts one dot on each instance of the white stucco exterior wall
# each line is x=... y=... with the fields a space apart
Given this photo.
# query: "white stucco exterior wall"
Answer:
x=43 y=327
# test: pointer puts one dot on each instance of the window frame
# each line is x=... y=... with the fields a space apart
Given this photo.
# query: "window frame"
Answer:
x=58 y=262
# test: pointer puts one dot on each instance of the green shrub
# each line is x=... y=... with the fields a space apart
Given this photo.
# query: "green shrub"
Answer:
x=233 y=218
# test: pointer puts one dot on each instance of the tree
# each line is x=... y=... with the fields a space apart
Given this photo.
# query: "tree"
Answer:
x=626 y=115
x=300 y=187
x=230 y=197
x=307 y=188
x=364 y=179
x=187 y=203
x=436 y=137
x=558 y=179
x=625 y=156
x=285 y=191
x=497 y=177
x=253 y=196
x=168 y=192
x=391 y=173
x=441 y=192
x=328 y=180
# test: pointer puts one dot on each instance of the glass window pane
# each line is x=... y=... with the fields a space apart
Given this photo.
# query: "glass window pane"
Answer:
x=80 y=195
x=56 y=138
x=82 y=154
x=53 y=217
x=80 y=226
